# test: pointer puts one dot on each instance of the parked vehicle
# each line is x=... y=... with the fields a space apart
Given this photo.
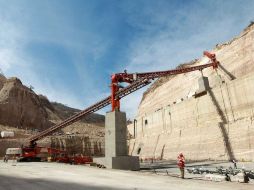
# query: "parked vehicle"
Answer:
x=7 y=134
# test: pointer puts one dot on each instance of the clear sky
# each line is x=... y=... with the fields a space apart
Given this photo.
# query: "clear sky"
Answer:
x=67 y=49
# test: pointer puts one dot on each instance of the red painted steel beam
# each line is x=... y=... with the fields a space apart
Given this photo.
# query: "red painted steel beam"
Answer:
x=99 y=105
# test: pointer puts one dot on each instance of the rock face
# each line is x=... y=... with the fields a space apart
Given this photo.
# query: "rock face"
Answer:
x=218 y=125
x=64 y=112
x=20 y=107
x=2 y=80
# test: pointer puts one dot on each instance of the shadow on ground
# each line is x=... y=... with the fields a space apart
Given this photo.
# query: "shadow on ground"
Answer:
x=173 y=164
x=13 y=183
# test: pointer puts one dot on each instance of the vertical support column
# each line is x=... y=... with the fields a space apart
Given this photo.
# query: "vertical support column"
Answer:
x=115 y=134
x=116 y=153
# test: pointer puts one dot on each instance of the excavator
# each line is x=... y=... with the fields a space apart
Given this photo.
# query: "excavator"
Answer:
x=136 y=81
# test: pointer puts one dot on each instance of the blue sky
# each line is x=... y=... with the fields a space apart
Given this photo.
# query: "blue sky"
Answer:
x=67 y=49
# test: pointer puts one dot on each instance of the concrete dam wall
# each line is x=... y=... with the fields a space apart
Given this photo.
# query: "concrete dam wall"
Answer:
x=215 y=126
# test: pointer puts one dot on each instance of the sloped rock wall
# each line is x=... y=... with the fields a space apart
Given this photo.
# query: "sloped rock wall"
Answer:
x=20 y=107
x=2 y=81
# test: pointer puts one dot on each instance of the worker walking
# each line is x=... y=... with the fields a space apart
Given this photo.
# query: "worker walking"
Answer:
x=181 y=164
x=6 y=158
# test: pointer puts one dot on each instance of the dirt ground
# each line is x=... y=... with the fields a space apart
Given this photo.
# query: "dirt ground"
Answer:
x=49 y=176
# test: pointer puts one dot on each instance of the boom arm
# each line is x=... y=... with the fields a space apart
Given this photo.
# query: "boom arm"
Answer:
x=99 y=105
x=130 y=78
x=136 y=80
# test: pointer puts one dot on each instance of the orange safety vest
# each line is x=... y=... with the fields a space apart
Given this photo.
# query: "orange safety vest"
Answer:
x=181 y=162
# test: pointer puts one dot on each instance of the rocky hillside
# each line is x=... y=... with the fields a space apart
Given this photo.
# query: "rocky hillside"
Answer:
x=64 y=112
x=22 y=108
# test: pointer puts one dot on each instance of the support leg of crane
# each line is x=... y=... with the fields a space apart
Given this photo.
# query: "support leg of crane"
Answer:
x=116 y=152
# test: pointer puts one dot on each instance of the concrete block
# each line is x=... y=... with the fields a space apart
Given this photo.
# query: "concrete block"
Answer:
x=119 y=162
x=116 y=155
x=125 y=163
x=203 y=86
x=115 y=134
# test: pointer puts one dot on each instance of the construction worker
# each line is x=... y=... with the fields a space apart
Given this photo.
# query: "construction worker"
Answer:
x=234 y=162
x=181 y=164
x=6 y=158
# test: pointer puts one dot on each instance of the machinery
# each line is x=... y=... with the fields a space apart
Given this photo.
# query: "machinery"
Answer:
x=135 y=80
x=40 y=154
x=227 y=172
x=144 y=78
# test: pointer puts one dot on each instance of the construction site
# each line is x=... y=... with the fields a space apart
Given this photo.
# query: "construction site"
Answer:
x=193 y=129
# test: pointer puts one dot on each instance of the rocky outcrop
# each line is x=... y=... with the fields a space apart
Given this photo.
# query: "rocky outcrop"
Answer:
x=20 y=107
x=64 y=112
x=2 y=81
